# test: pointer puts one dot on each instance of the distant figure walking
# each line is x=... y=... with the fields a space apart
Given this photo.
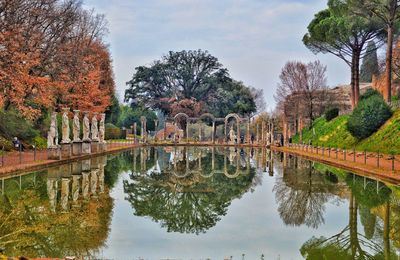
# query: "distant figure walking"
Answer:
x=17 y=144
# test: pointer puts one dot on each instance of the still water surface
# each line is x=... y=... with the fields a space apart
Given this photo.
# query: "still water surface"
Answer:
x=199 y=203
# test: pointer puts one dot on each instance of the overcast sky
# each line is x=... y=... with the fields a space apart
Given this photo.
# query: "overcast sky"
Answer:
x=252 y=38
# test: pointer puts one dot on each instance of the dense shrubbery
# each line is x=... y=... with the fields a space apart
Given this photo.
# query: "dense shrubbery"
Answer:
x=370 y=114
x=112 y=132
x=14 y=125
x=331 y=113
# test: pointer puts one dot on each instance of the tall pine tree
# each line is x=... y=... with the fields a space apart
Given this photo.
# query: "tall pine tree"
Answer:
x=369 y=65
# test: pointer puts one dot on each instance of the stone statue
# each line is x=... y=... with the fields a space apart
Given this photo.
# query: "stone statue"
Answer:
x=52 y=135
x=102 y=128
x=232 y=135
x=76 y=126
x=86 y=127
x=95 y=130
x=65 y=127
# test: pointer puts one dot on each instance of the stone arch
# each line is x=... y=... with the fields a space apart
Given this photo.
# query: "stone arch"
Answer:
x=187 y=118
x=238 y=120
x=213 y=119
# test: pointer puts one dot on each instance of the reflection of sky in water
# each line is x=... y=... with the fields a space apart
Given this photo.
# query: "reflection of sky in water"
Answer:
x=252 y=227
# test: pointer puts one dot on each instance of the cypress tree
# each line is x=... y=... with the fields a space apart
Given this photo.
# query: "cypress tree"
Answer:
x=369 y=65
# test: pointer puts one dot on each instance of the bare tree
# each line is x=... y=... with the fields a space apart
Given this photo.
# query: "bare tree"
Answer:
x=302 y=91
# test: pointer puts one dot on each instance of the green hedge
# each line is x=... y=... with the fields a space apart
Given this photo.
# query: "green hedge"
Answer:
x=112 y=132
x=370 y=114
x=331 y=113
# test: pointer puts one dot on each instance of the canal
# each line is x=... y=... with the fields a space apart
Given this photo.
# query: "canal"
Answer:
x=199 y=203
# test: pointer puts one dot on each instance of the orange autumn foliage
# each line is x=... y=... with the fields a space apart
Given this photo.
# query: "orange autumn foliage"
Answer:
x=52 y=55
x=19 y=85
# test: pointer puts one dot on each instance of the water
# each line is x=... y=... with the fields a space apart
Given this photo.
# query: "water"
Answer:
x=199 y=203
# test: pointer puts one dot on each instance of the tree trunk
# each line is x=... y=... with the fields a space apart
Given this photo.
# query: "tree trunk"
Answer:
x=356 y=77
x=387 y=92
x=352 y=83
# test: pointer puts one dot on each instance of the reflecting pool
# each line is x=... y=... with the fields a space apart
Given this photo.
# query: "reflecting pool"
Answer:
x=199 y=203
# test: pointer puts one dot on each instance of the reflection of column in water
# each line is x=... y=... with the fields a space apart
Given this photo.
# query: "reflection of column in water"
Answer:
x=75 y=189
x=256 y=155
x=200 y=154
x=142 y=159
x=264 y=159
x=134 y=159
x=52 y=187
x=213 y=158
x=271 y=164
x=65 y=193
x=187 y=159
x=174 y=161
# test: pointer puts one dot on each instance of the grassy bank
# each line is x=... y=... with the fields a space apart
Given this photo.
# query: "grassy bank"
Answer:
x=334 y=133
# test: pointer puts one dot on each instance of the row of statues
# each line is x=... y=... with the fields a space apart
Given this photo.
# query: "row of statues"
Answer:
x=93 y=131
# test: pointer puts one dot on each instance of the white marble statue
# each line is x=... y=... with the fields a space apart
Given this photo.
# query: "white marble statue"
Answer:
x=52 y=135
x=94 y=129
x=65 y=127
x=232 y=135
x=102 y=128
x=86 y=127
x=76 y=126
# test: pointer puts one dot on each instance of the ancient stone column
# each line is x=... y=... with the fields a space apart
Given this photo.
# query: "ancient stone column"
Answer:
x=258 y=133
x=213 y=132
x=200 y=137
x=155 y=129
x=143 y=128
x=263 y=133
x=187 y=129
x=134 y=132
x=248 y=135
x=238 y=131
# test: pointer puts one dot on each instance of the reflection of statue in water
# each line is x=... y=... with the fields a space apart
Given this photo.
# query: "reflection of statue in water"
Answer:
x=232 y=154
x=232 y=136
x=52 y=188
x=52 y=135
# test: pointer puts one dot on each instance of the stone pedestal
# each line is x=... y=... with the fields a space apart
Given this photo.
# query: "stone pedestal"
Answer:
x=95 y=146
x=102 y=147
x=53 y=153
x=76 y=148
x=66 y=150
x=86 y=147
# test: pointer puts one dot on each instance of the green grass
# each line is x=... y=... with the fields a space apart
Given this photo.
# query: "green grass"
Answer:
x=335 y=134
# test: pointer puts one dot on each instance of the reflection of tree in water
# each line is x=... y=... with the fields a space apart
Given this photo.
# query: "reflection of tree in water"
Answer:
x=28 y=226
x=301 y=193
x=192 y=204
x=349 y=243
